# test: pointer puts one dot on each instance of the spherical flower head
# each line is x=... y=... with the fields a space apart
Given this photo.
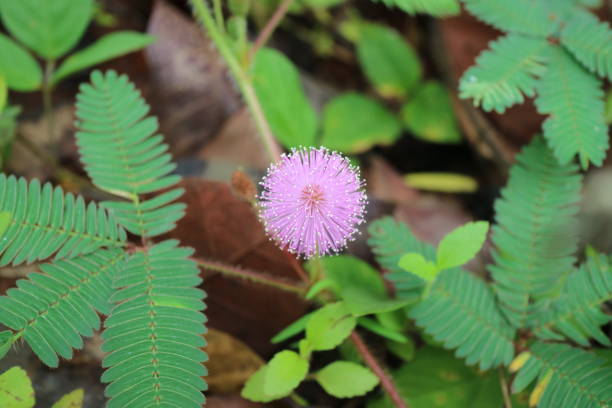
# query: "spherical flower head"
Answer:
x=313 y=199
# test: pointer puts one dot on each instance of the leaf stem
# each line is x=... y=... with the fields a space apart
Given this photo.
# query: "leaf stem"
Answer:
x=47 y=94
x=504 y=387
x=385 y=380
x=269 y=28
x=204 y=17
x=254 y=276
x=219 y=15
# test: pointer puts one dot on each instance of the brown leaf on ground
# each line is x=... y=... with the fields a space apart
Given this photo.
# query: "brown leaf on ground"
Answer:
x=222 y=227
x=231 y=362
x=193 y=94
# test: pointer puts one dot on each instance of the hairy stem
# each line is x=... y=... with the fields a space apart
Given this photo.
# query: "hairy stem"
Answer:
x=269 y=28
x=204 y=16
x=258 y=277
x=385 y=380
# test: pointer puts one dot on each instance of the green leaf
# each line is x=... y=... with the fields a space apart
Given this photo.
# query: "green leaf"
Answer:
x=278 y=86
x=353 y=123
x=438 y=8
x=16 y=389
x=50 y=28
x=108 y=47
x=344 y=379
x=415 y=263
x=322 y=3
x=505 y=73
x=6 y=341
x=442 y=182
x=590 y=41
x=383 y=331
x=429 y=114
x=18 y=67
x=329 y=326
x=520 y=16
x=390 y=240
x=461 y=244
x=360 y=286
x=389 y=62
x=435 y=379
x=573 y=98
x=71 y=400
x=254 y=387
x=284 y=373
x=294 y=328
x=5 y=222
x=318 y=288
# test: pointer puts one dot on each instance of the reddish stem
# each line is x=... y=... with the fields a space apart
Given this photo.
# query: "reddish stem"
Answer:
x=385 y=380
x=271 y=25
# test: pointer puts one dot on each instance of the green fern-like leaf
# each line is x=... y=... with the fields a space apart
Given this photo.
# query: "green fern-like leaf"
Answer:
x=154 y=333
x=47 y=222
x=461 y=311
x=530 y=262
x=390 y=240
x=520 y=16
x=506 y=73
x=574 y=100
x=569 y=377
x=590 y=41
x=53 y=309
x=438 y=8
x=123 y=154
x=577 y=313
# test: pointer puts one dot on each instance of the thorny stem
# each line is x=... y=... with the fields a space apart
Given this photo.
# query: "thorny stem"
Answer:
x=385 y=380
x=204 y=16
x=247 y=274
x=47 y=91
x=269 y=28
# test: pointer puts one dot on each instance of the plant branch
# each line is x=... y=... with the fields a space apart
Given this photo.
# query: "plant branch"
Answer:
x=385 y=380
x=258 y=277
x=504 y=387
x=269 y=28
x=204 y=16
x=219 y=15
x=47 y=94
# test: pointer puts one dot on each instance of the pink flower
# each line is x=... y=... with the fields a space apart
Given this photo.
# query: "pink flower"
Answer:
x=312 y=201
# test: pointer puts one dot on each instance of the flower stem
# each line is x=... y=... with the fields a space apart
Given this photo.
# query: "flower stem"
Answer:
x=247 y=274
x=385 y=380
x=204 y=16
x=269 y=28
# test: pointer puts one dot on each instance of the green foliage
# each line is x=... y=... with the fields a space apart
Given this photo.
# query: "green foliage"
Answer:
x=123 y=155
x=415 y=263
x=359 y=286
x=461 y=312
x=438 y=8
x=108 y=47
x=531 y=261
x=6 y=341
x=16 y=389
x=53 y=309
x=279 y=89
x=153 y=336
x=435 y=379
x=567 y=377
x=52 y=28
x=576 y=314
x=390 y=240
x=574 y=100
x=285 y=372
x=590 y=41
x=46 y=222
x=429 y=114
x=506 y=73
x=389 y=62
x=461 y=244
x=353 y=123
x=329 y=326
x=345 y=379
x=520 y=16
x=71 y=400
x=18 y=67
